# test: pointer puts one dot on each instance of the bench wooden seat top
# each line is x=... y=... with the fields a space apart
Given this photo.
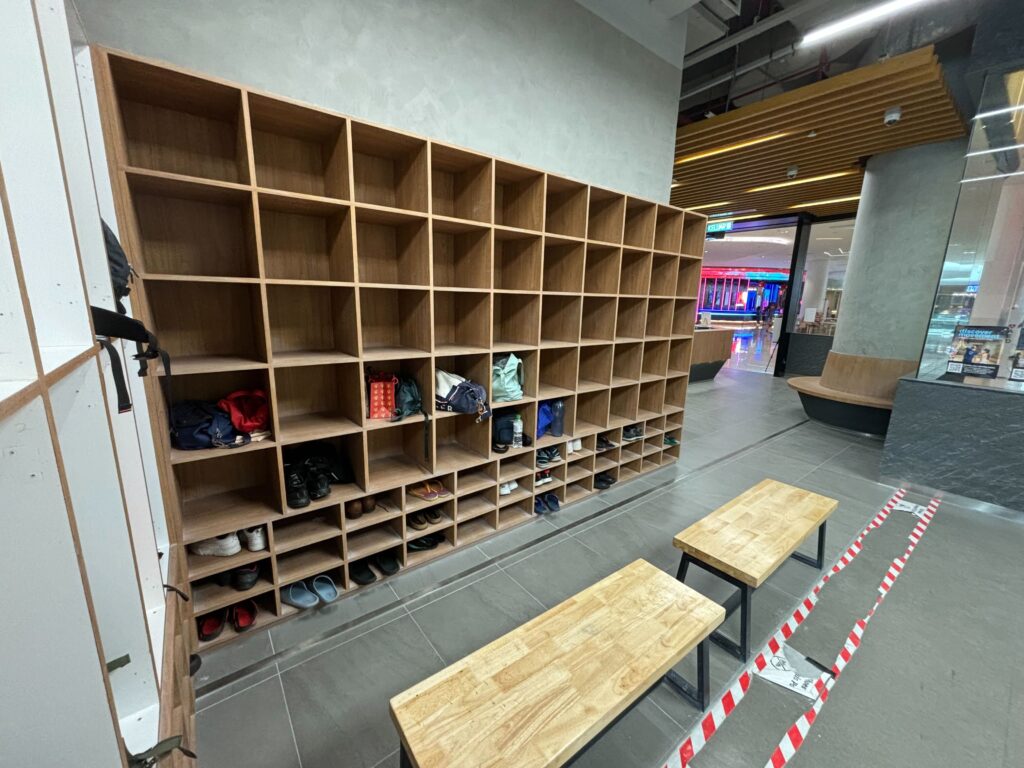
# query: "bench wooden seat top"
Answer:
x=538 y=695
x=752 y=535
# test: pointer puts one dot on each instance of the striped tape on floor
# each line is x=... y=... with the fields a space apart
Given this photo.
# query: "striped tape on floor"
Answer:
x=797 y=733
x=720 y=710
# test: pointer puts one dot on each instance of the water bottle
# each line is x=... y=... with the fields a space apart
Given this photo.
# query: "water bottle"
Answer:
x=557 y=428
x=517 y=432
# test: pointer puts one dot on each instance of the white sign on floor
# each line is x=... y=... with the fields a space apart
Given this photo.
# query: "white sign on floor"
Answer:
x=791 y=669
x=905 y=506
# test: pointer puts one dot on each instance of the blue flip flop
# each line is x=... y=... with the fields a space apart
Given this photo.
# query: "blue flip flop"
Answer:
x=298 y=595
x=539 y=507
x=551 y=501
x=324 y=588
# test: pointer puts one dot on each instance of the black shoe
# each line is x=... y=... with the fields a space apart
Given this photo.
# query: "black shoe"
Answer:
x=194 y=663
x=603 y=481
x=360 y=573
x=318 y=484
x=424 y=543
x=387 y=562
x=604 y=444
x=245 y=577
x=295 y=488
x=632 y=434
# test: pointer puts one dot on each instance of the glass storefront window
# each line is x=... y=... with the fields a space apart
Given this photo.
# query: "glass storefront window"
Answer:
x=975 y=331
x=828 y=251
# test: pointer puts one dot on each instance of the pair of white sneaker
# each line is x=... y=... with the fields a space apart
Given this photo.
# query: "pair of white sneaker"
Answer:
x=574 y=445
x=255 y=540
x=505 y=489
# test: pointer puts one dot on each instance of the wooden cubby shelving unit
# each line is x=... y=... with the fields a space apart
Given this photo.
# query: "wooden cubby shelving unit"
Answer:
x=289 y=248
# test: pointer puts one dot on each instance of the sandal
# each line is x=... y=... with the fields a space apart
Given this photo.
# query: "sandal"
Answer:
x=433 y=515
x=438 y=487
x=418 y=521
x=424 y=492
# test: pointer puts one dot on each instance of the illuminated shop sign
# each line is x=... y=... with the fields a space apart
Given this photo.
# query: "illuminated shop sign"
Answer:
x=745 y=273
x=720 y=226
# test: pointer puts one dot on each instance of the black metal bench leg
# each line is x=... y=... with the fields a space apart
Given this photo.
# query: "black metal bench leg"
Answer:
x=740 y=599
x=818 y=563
x=403 y=758
x=684 y=564
x=699 y=695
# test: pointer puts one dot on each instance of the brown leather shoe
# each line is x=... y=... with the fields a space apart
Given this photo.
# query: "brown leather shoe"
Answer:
x=354 y=509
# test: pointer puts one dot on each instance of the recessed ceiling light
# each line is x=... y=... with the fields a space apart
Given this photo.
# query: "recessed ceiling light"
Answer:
x=732 y=213
x=833 y=201
x=730 y=147
x=796 y=182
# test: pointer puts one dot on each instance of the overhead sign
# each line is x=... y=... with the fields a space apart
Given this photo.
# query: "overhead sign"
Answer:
x=719 y=226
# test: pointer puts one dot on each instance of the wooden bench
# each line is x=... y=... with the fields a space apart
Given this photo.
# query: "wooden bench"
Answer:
x=745 y=540
x=540 y=694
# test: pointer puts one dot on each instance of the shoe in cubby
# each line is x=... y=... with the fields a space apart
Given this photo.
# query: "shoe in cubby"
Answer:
x=563 y=266
x=560 y=320
x=462 y=322
x=390 y=168
x=461 y=184
x=607 y=216
x=518 y=197
x=311 y=325
x=641 y=219
x=178 y=123
x=396 y=323
x=306 y=239
x=378 y=548
x=421 y=549
x=323 y=473
x=298 y=149
x=566 y=212
x=516 y=321
x=601 y=272
x=393 y=247
x=462 y=255
x=635 y=277
x=318 y=401
x=207 y=327
x=517 y=260
x=177 y=219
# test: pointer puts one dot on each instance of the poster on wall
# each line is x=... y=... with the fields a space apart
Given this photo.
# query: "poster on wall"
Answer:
x=1017 y=371
x=977 y=350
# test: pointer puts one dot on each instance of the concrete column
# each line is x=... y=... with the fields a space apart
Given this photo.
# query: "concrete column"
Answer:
x=899 y=241
x=815 y=284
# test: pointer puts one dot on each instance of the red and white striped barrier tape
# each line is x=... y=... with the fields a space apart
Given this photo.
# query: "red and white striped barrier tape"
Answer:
x=794 y=737
x=720 y=710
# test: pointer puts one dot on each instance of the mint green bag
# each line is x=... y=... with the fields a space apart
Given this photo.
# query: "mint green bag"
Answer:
x=507 y=379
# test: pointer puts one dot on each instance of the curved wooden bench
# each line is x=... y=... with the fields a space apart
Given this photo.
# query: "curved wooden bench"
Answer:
x=854 y=391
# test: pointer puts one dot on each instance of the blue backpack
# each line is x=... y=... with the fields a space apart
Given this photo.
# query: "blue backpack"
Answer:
x=196 y=424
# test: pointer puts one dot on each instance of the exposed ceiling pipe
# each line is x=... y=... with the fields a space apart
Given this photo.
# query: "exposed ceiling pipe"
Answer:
x=780 y=17
x=789 y=50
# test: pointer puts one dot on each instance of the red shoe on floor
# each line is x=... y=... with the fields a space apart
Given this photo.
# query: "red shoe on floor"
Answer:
x=243 y=615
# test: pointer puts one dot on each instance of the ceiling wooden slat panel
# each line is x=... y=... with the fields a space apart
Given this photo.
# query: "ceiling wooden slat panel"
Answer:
x=830 y=126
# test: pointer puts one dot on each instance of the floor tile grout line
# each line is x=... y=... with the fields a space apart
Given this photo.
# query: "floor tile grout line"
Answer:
x=348 y=640
x=482 y=574
x=516 y=582
x=497 y=560
x=650 y=698
x=386 y=757
x=441 y=658
x=243 y=690
x=288 y=714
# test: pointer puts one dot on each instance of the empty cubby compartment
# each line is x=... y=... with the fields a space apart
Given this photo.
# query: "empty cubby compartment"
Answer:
x=679 y=356
x=607 y=216
x=208 y=326
x=655 y=359
x=461 y=183
x=652 y=399
x=516 y=321
x=291 y=533
x=558 y=372
x=311 y=324
x=178 y=220
x=659 y=318
x=592 y=410
x=675 y=394
x=560 y=319
x=311 y=560
x=689 y=278
x=462 y=255
x=306 y=239
x=318 y=401
x=566 y=211
x=664 y=274
x=601 y=273
x=178 y=123
x=694 y=234
x=641 y=218
x=684 y=316
x=628 y=363
x=517 y=261
x=599 y=315
x=632 y=319
x=395 y=322
x=399 y=455
x=636 y=273
x=563 y=266
x=518 y=197
x=298 y=149
x=595 y=366
x=461 y=322
x=390 y=169
x=668 y=230
x=393 y=248
x=461 y=442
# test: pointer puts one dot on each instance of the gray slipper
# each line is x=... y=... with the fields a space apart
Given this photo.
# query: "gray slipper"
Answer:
x=298 y=595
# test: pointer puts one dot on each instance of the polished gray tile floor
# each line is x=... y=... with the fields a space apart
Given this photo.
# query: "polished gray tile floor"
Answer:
x=313 y=691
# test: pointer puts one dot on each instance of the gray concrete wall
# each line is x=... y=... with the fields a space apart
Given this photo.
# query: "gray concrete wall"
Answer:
x=541 y=82
x=899 y=242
